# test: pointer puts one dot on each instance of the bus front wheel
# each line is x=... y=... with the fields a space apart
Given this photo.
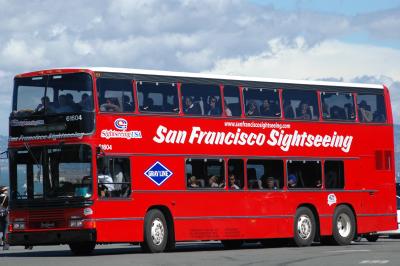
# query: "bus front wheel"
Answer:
x=155 y=232
x=304 y=227
x=85 y=248
x=344 y=225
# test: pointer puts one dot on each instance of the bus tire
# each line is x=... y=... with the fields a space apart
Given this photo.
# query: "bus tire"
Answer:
x=344 y=225
x=85 y=248
x=372 y=237
x=155 y=232
x=304 y=227
x=232 y=244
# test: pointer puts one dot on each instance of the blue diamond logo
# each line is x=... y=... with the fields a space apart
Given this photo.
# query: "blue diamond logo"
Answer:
x=158 y=173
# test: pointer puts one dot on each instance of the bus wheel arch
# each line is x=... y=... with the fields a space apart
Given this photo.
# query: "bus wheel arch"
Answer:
x=169 y=223
x=304 y=226
x=344 y=224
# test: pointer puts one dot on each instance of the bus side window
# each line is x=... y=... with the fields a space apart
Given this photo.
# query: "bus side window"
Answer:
x=338 y=106
x=232 y=101
x=158 y=97
x=262 y=102
x=304 y=174
x=300 y=104
x=205 y=173
x=371 y=108
x=265 y=174
x=115 y=95
x=201 y=99
x=113 y=177
x=334 y=174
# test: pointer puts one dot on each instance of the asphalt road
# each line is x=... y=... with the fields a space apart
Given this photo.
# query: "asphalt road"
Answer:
x=383 y=252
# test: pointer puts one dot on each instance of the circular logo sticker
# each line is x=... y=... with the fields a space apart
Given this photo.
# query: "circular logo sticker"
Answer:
x=121 y=124
x=331 y=199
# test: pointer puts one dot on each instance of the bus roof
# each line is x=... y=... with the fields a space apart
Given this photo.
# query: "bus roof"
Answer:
x=220 y=77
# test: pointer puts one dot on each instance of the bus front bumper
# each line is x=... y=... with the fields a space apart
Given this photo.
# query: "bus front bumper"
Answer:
x=51 y=237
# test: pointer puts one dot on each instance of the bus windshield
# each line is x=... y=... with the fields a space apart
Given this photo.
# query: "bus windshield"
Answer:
x=57 y=94
x=53 y=104
x=51 y=172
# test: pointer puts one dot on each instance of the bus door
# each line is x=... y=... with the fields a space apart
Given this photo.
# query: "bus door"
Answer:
x=113 y=217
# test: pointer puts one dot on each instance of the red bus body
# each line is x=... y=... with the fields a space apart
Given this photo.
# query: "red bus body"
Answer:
x=223 y=214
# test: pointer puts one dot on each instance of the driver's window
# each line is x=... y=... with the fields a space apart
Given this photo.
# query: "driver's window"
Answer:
x=113 y=177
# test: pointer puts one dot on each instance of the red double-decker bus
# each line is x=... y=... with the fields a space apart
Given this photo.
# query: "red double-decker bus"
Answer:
x=104 y=155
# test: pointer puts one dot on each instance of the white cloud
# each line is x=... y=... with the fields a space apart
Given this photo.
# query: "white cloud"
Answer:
x=330 y=58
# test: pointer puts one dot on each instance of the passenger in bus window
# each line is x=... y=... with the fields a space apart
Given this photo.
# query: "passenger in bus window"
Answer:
x=191 y=108
x=106 y=183
x=70 y=102
x=252 y=109
x=213 y=182
x=110 y=106
x=85 y=103
x=364 y=111
x=292 y=181
x=45 y=105
x=303 y=111
x=213 y=107
x=267 y=109
x=228 y=111
x=288 y=109
x=193 y=182
x=318 y=183
x=349 y=109
x=379 y=116
x=148 y=104
x=337 y=113
x=63 y=105
x=270 y=183
x=233 y=182
x=126 y=103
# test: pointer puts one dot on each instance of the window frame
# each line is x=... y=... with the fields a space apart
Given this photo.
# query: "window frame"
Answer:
x=168 y=113
x=223 y=164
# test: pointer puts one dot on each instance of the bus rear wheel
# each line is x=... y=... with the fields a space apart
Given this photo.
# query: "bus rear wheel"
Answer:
x=232 y=244
x=304 y=227
x=344 y=225
x=155 y=232
x=85 y=248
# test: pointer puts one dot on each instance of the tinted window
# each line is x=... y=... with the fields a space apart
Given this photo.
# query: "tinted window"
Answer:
x=205 y=173
x=299 y=104
x=199 y=99
x=232 y=101
x=304 y=174
x=371 y=108
x=158 y=97
x=264 y=174
x=337 y=106
x=334 y=174
x=262 y=102
x=115 y=95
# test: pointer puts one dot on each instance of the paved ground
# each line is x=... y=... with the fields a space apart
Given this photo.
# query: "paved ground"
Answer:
x=385 y=251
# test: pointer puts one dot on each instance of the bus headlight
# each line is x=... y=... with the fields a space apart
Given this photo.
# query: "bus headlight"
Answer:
x=19 y=224
x=75 y=221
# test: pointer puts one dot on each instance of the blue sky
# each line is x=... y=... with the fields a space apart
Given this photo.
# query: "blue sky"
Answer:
x=352 y=41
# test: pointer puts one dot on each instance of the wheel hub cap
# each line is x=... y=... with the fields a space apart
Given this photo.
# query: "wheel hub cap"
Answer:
x=157 y=232
x=304 y=226
x=343 y=225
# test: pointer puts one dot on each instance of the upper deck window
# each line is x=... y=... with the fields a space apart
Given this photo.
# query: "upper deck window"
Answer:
x=56 y=94
x=300 y=104
x=115 y=95
x=201 y=99
x=262 y=102
x=158 y=97
x=338 y=106
x=371 y=108
x=232 y=101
